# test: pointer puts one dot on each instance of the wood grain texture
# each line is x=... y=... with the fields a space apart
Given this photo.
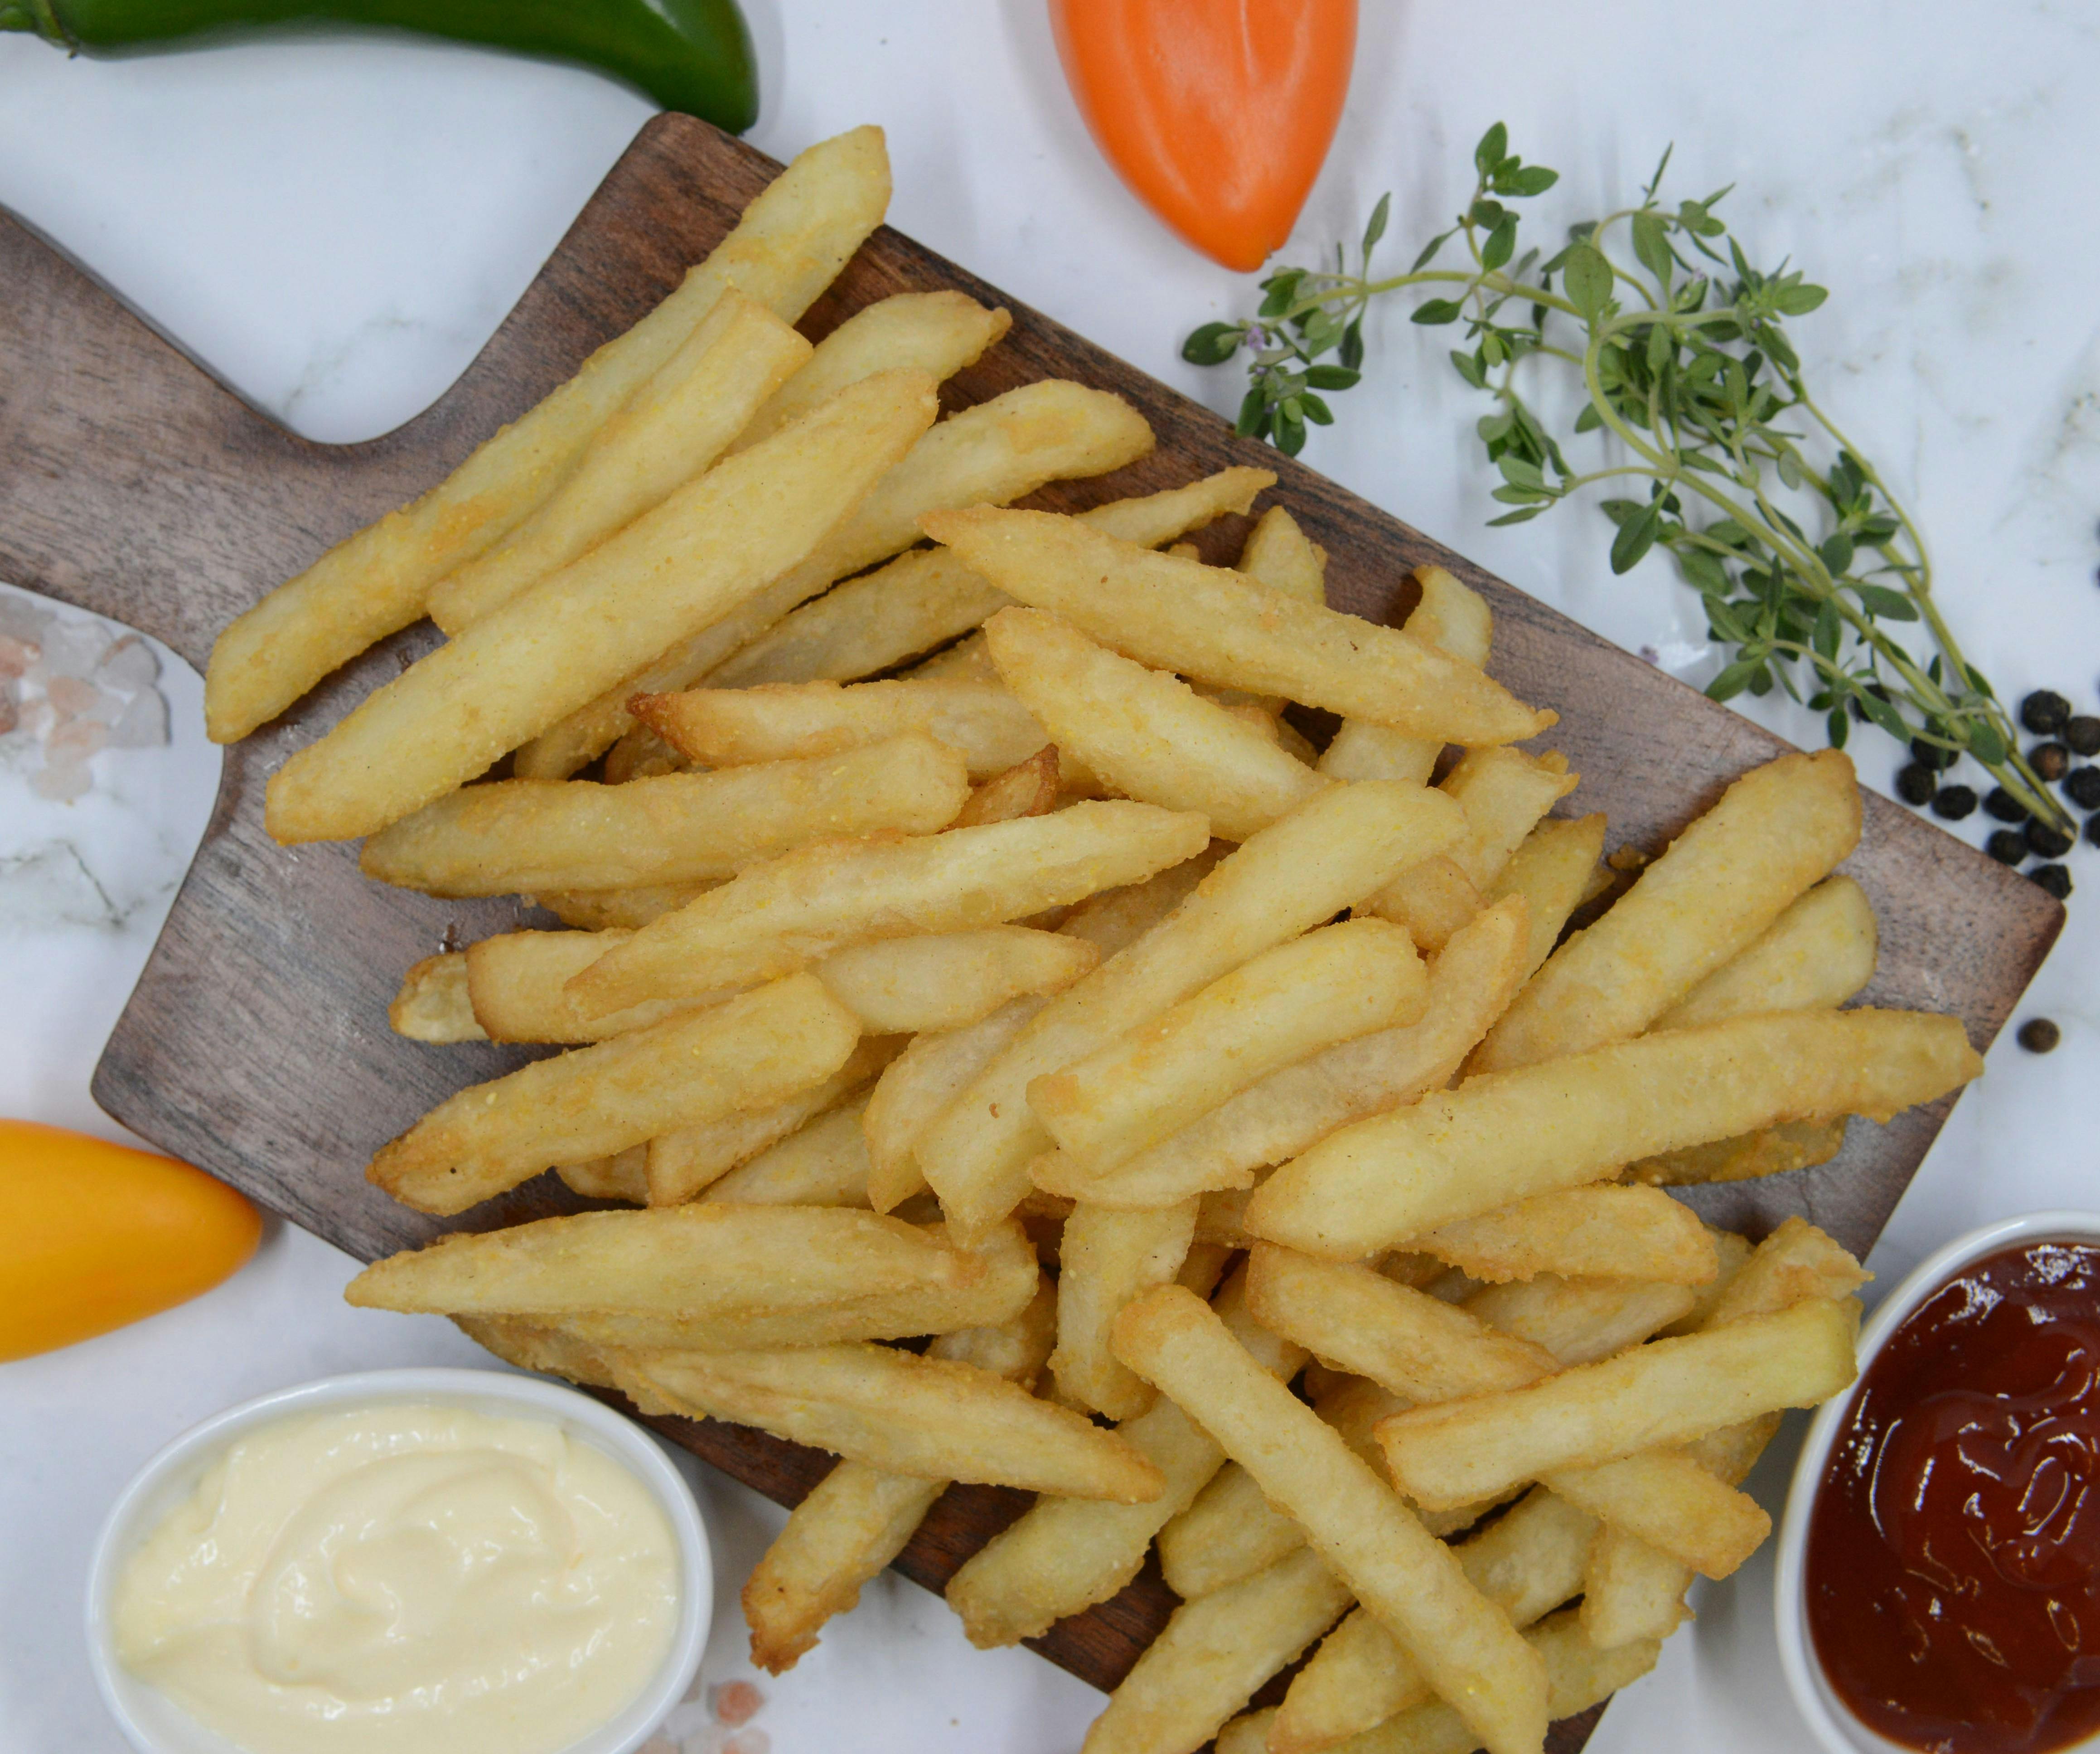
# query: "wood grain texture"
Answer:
x=132 y=484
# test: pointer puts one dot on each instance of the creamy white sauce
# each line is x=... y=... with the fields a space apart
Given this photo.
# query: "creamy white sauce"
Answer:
x=410 y=1577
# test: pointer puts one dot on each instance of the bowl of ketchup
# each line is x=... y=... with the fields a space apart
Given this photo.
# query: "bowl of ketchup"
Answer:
x=1939 y=1584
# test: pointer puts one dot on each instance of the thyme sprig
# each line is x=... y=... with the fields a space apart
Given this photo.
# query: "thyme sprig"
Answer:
x=1685 y=361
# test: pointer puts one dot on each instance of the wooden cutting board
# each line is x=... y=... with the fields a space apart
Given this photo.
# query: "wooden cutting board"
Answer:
x=134 y=485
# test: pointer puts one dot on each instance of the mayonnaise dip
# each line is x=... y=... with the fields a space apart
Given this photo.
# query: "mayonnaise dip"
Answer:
x=406 y=1576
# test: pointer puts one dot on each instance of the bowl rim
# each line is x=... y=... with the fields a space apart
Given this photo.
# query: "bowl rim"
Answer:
x=1833 y=1724
x=175 y=1467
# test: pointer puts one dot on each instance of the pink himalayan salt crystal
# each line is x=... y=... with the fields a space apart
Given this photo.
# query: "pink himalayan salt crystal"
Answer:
x=71 y=697
x=144 y=723
x=735 y=1702
x=17 y=655
x=658 y=1744
x=11 y=707
x=128 y=664
x=62 y=782
x=748 y=1742
x=76 y=739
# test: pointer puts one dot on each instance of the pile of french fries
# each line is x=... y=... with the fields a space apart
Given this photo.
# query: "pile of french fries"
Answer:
x=962 y=947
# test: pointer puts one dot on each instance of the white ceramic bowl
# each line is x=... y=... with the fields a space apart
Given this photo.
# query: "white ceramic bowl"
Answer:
x=153 y=1724
x=1836 y=1728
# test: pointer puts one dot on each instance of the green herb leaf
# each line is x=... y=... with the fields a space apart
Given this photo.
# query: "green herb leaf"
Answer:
x=1891 y=605
x=1636 y=536
x=1500 y=245
x=1493 y=149
x=1212 y=344
x=1374 y=227
x=1439 y=311
x=1588 y=278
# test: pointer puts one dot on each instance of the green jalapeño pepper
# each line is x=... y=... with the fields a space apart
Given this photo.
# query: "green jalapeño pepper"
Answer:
x=688 y=54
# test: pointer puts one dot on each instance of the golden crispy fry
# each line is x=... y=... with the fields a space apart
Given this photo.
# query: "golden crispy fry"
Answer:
x=1337 y=846
x=680 y=568
x=1146 y=733
x=596 y=1101
x=1454 y=621
x=922 y=599
x=1213 y=1654
x=996 y=451
x=902 y=986
x=729 y=727
x=1106 y=1259
x=1601 y=1231
x=968 y=659
x=1724 y=880
x=1114 y=919
x=1527 y=1563
x=1279 y=554
x=1820 y=952
x=1666 y=1392
x=1405 y=1340
x=1228 y=1531
x=791 y=241
x=1511 y=1135
x=1580 y=1320
x=1632 y=1590
x=937 y=332
x=641 y=755
x=1796 y=1262
x=1064 y=1556
x=531 y=1346
x=1274 y=1120
x=1027 y=788
x=599 y=910
x=786 y=913
x=1772 y=1150
x=1550 y=870
x=1463 y=1643
x=857 y=1519
x=623 y=1176
x=1332 y=985
x=433 y=1004
x=670 y=430
x=823 y=1165
x=1214 y=625
x=1666 y=1498
x=935 y=1418
x=1247 y=1733
x=514 y=983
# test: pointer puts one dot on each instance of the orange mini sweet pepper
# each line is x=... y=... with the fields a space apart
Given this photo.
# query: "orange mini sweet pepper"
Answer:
x=1218 y=113
x=94 y=1236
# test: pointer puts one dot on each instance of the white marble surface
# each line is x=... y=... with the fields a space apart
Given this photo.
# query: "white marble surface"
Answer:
x=335 y=227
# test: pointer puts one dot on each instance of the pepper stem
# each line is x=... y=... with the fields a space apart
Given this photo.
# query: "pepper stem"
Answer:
x=40 y=16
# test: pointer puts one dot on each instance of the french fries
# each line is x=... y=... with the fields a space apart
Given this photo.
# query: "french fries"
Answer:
x=598 y=910
x=1410 y=1581
x=790 y=244
x=1216 y=626
x=1599 y=1232
x=1667 y=1500
x=1818 y=953
x=1580 y=1320
x=528 y=835
x=904 y=985
x=433 y=1004
x=825 y=1163
x=598 y=1100
x=1027 y=788
x=1450 y=619
x=669 y=430
x=1564 y=1122
x=1106 y=1258
x=1551 y=870
x=680 y=568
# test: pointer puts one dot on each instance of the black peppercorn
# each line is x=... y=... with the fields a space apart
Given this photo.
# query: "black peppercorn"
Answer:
x=2082 y=785
x=2082 y=735
x=2038 y=1034
x=2093 y=829
x=1931 y=755
x=2009 y=846
x=1915 y=784
x=2004 y=807
x=1955 y=801
x=2050 y=843
x=2054 y=878
x=2050 y=760
x=2044 y=712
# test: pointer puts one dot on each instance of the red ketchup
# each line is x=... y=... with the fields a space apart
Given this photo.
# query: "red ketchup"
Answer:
x=1953 y=1564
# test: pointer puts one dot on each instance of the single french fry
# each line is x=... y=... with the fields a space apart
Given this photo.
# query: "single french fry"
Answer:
x=923 y=597
x=622 y=1176
x=1666 y=1498
x=1551 y=870
x=791 y=242
x=1106 y=1259
x=1734 y=1252
x=1114 y=919
x=515 y=986
x=1411 y=1581
x=680 y=1164
x=1027 y=788
x=996 y=451
x=1632 y=1590
x=903 y=986
x=1601 y=1231
x=1340 y=844
x=1560 y=1124
x=1228 y=1531
x=1280 y=555
x=1247 y=1733
x=935 y=1418
x=1213 y=1654
x=1819 y=952
x=1527 y=1562
x=729 y=727
x=787 y=913
x=857 y=1519
x=1667 y=1392
x=1796 y=1262
x=1776 y=831
x=1771 y=1151
x=1275 y=1120
x=433 y=1004
x=671 y=429
x=1146 y=733
x=550 y=649
x=1405 y=1340
x=967 y=660
x=1216 y=625
x=1331 y=985
x=1064 y=1555
x=823 y=1165
x=1580 y=1320
x=937 y=332
x=641 y=755
x=1453 y=619
x=525 y=836
x=595 y=1101
x=599 y=910
x=531 y=1346
x=1203 y=1267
